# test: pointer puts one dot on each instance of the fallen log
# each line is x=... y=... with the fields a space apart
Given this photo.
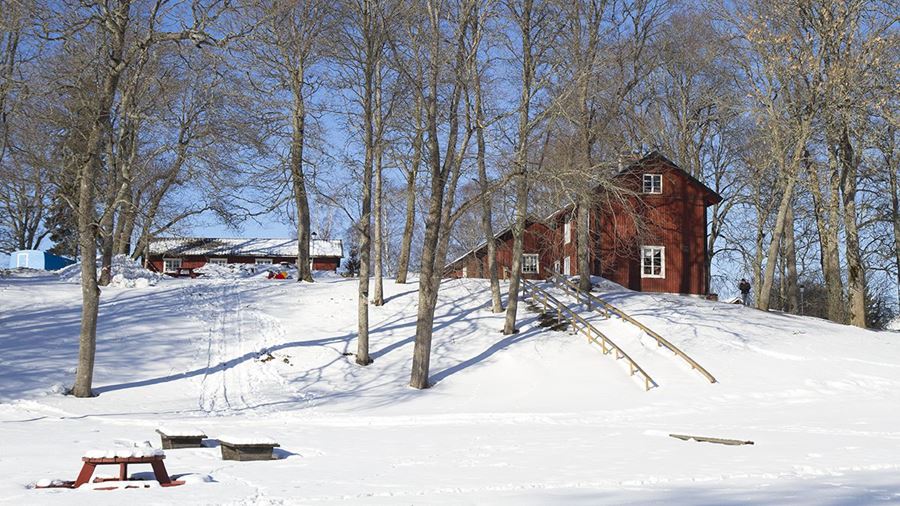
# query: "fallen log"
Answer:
x=704 y=439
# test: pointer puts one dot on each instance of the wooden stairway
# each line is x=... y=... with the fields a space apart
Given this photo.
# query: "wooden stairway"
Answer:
x=605 y=308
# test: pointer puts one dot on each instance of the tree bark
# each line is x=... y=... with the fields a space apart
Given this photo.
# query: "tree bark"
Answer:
x=895 y=210
x=378 y=296
x=775 y=244
x=365 y=219
x=826 y=214
x=298 y=176
x=791 y=287
x=487 y=225
x=409 y=224
x=87 y=226
x=520 y=166
x=856 y=274
x=436 y=240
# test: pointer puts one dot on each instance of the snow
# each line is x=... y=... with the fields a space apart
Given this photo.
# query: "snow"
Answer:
x=539 y=417
x=124 y=453
x=206 y=246
x=126 y=273
x=234 y=271
x=180 y=431
x=247 y=440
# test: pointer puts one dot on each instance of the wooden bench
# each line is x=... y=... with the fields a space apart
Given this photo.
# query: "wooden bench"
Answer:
x=242 y=450
x=155 y=461
x=174 y=438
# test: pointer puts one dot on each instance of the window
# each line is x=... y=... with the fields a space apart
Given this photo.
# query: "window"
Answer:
x=465 y=271
x=567 y=266
x=263 y=261
x=218 y=261
x=567 y=232
x=653 y=262
x=556 y=266
x=652 y=183
x=171 y=264
x=529 y=264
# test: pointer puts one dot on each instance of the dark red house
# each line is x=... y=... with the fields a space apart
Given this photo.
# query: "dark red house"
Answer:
x=650 y=239
x=175 y=255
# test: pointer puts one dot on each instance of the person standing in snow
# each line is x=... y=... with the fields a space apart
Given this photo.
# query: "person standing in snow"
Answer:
x=744 y=287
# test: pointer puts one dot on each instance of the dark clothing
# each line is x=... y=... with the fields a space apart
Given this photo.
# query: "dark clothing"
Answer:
x=744 y=287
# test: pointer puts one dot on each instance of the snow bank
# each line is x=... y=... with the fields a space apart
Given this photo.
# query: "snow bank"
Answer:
x=893 y=325
x=238 y=271
x=24 y=272
x=126 y=273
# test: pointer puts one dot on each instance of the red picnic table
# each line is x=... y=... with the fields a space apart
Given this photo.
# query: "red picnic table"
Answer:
x=155 y=461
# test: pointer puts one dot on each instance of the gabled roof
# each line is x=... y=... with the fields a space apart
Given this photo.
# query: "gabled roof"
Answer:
x=210 y=246
x=656 y=157
x=507 y=229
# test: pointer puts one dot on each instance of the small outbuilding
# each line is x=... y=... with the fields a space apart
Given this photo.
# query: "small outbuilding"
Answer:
x=36 y=259
x=181 y=255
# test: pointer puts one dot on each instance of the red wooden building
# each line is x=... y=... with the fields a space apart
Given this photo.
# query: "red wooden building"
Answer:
x=177 y=255
x=652 y=239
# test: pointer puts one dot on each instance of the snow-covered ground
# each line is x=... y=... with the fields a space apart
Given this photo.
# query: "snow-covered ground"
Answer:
x=540 y=417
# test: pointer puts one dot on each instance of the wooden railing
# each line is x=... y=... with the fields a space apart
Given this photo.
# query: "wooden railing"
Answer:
x=603 y=307
x=549 y=302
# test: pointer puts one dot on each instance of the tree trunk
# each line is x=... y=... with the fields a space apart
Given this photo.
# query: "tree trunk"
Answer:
x=87 y=231
x=791 y=287
x=826 y=213
x=435 y=242
x=410 y=221
x=408 y=226
x=427 y=288
x=365 y=219
x=856 y=274
x=298 y=178
x=520 y=166
x=487 y=220
x=583 y=243
x=775 y=244
x=378 y=296
x=895 y=212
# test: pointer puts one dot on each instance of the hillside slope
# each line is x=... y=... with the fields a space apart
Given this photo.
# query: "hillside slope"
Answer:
x=537 y=417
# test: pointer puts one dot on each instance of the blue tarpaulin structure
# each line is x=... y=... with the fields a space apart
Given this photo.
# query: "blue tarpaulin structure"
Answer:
x=35 y=259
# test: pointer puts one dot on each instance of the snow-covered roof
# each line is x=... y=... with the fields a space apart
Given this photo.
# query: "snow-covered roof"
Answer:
x=209 y=246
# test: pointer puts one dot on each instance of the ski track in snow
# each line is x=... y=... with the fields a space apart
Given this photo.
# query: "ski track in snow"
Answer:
x=235 y=379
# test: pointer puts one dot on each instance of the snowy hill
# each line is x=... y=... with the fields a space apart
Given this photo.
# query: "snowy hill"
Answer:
x=535 y=418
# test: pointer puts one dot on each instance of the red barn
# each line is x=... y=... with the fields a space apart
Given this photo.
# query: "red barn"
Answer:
x=181 y=255
x=652 y=239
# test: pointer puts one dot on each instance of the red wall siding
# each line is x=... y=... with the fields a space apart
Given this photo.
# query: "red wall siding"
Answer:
x=675 y=220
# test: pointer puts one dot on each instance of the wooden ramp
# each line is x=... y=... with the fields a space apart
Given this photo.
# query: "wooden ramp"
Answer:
x=549 y=303
x=605 y=308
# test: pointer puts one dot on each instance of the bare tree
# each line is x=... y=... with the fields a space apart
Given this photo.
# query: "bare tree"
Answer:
x=535 y=33
x=123 y=41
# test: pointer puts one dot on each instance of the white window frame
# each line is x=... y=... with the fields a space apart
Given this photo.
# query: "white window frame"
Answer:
x=662 y=267
x=653 y=190
x=567 y=232
x=19 y=258
x=218 y=261
x=263 y=261
x=465 y=272
x=537 y=263
x=556 y=266
x=175 y=269
x=567 y=265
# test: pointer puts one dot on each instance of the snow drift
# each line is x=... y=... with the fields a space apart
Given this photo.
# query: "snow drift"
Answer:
x=126 y=273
